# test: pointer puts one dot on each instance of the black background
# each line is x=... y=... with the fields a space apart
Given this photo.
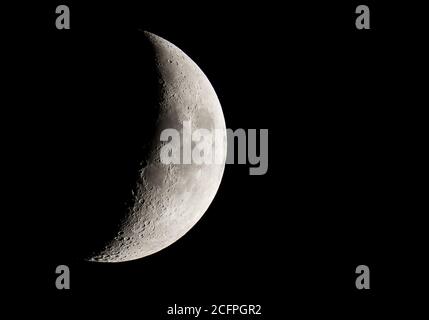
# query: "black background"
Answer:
x=342 y=108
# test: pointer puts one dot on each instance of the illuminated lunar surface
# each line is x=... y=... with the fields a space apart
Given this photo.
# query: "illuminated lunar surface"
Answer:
x=168 y=200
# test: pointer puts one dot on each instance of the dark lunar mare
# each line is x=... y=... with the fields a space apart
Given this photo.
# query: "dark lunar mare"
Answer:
x=110 y=121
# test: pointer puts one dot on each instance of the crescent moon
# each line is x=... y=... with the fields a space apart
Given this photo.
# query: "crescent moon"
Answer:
x=170 y=199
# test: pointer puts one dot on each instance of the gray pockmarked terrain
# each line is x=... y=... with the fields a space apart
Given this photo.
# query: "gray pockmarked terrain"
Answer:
x=170 y=199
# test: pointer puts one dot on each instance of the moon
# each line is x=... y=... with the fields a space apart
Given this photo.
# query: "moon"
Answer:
x=169 y=199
